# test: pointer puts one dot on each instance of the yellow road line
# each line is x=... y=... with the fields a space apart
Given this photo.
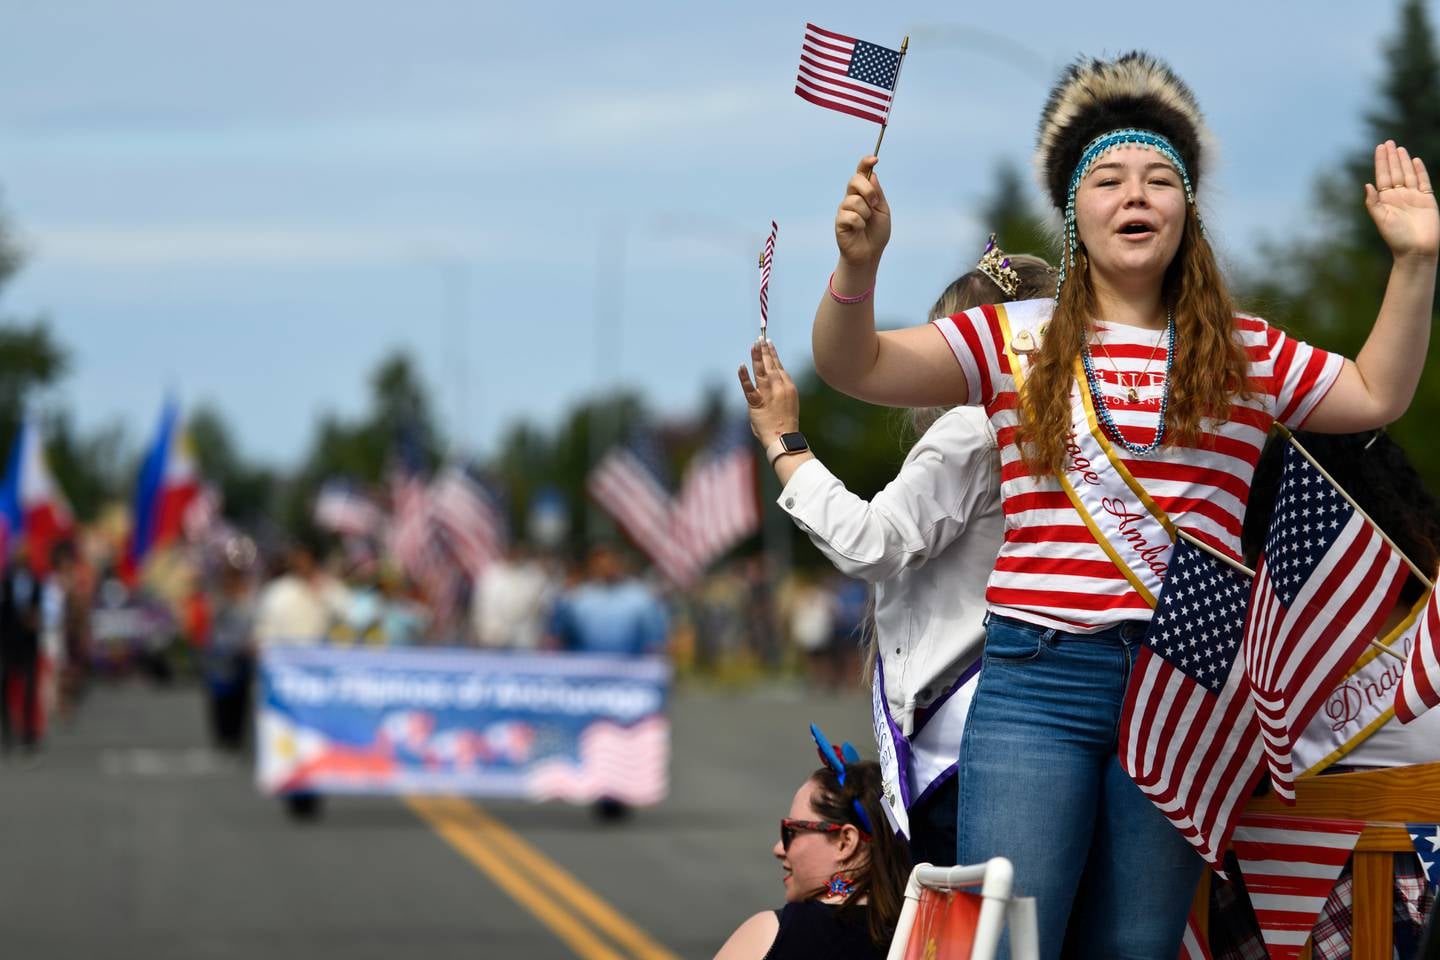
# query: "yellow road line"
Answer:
x=582 y=898
x=449 y=822
x=483 y=834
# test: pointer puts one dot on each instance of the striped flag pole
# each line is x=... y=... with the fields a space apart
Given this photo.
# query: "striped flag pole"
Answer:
x=767 y=260
x=904 y=44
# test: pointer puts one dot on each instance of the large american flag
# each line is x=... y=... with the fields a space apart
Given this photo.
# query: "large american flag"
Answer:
x=846 y=74
x=1327 y=579
x=470 y=517
x=629 y=483
x=717 y=505
x=1419 y=688
x=1188 y=733
x=1290 y=865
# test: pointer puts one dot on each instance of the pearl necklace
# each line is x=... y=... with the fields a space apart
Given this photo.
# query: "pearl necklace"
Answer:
x=1103 y=412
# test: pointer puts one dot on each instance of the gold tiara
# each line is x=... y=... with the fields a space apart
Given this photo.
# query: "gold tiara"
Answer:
x=995 y=264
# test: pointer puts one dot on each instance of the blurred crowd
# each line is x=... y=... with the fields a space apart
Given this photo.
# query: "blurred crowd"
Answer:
x=208 y=614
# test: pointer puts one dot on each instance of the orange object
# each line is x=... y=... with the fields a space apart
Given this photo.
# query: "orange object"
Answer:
x=945 y=924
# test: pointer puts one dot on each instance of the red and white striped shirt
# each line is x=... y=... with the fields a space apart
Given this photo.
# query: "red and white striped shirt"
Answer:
x=1050 y=571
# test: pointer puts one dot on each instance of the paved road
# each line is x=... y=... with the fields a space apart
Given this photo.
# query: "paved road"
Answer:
x=130 y=838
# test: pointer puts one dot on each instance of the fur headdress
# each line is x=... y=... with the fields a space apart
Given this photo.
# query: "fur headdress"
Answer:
x=1095 y=97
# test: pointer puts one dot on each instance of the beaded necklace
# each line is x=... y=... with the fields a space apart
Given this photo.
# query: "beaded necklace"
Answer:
x=1103 y=412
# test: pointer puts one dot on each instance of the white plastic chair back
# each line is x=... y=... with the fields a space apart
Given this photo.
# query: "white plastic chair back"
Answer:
x=995 y=878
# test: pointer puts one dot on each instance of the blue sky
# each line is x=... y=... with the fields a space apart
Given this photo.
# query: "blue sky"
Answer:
x=251 y=204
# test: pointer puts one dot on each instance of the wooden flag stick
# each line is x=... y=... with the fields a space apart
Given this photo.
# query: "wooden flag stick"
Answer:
x=1285 y=432
x=904 y=44
x=1198 y=545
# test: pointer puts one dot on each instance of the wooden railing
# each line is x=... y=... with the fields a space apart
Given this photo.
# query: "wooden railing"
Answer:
x=1386 y=800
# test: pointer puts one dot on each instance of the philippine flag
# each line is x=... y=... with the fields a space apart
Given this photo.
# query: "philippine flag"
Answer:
x=31 y=503
x=169 y=481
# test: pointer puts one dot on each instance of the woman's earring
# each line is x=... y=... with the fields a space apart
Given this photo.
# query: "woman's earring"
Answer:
x=840 y=886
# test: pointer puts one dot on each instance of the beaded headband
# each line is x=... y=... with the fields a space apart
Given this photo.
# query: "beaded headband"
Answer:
x=1128 y=136
x=995 y=264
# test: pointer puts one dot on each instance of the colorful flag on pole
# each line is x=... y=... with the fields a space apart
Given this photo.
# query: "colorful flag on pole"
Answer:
x=1419 y=688
x=629 y=484
x=1426 y=838
x=767 y=258
x=1290 y=865
x=169 y=480
x=1326 y=581
x=470 y=516
x=1188 y=733
x=845 y=74
x=717 y=505
x=31 y=502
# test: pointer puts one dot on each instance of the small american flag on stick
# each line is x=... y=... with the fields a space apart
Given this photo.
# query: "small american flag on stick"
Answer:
x=849 y=75
x=1326 y=581
x=1189 y=737
x=767 y=258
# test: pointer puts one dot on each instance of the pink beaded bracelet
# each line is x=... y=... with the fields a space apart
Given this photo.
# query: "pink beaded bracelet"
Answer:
x=839 y=299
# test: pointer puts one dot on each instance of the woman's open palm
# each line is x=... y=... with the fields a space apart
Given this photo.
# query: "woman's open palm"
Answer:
x=1401 y=201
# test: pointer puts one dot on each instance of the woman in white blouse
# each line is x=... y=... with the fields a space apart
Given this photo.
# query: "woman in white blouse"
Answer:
x=927 y=542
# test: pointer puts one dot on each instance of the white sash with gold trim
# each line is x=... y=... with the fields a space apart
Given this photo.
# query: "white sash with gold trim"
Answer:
x=1125 y=521
x=1360 y=704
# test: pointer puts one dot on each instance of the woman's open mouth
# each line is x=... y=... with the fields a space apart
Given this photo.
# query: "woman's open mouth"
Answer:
x=1137 y=229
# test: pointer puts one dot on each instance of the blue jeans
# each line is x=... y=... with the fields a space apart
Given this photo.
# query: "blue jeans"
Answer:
x=1040 y=783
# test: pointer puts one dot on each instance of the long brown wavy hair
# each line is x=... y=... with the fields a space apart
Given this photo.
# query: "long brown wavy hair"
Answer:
x=1210 y=369
x=884 y=869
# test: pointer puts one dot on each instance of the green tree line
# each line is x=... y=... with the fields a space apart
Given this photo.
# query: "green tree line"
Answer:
x=1323 y=281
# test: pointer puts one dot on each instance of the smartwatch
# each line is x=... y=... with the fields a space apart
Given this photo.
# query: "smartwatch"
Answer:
x=788 y=443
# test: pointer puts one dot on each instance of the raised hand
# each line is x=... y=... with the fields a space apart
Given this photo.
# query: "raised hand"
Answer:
x=1401 y=201
x=772 y=399
x=862 y=225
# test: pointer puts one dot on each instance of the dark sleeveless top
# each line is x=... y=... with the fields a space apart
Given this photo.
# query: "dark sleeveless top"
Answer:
x=811 y=929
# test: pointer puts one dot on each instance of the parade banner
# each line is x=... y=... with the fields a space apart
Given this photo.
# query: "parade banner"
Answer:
x=539 y=727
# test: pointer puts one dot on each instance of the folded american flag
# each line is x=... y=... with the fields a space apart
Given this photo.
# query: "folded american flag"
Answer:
x=845 y=74
x=1419 y=688
x=1188 y=734
x=1327 y=579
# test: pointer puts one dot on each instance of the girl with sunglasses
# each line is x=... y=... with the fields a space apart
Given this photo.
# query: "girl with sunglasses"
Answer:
x=844 y=878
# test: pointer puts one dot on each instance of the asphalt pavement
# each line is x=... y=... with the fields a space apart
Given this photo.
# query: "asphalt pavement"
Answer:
x=129 y=837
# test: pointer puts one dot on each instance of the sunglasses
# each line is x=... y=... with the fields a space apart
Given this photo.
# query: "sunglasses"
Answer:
x=788 y=829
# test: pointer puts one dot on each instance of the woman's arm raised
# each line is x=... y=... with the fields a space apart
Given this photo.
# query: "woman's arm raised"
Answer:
x=903 y=368
x=1376 y=387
